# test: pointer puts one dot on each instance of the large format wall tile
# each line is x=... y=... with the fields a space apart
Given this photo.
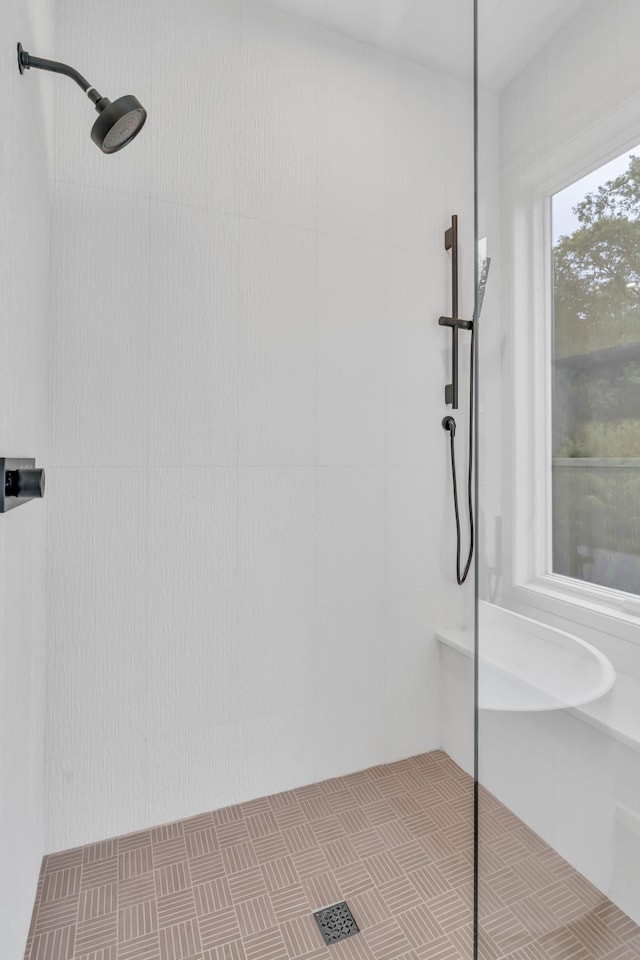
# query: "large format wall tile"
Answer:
x=353 y=329
x=195 y=71
x=417 y=367
x=192 y=578
x=100 y=333
x=193 y=337
x=352 y=629
x=354 y=95
x=414 y=205
x=113 y=775
x=277 y=649
x=278 y=115
x=97 y=660
x=278 y=344
x=282 y=742
x=191 y=772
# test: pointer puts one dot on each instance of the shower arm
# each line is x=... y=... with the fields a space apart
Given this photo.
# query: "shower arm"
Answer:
x=26 y=62
x=454 y=321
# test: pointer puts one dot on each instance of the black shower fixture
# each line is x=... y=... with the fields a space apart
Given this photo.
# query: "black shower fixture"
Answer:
x=119 y=122
x=454 y=321
x=20 y=481
x=451 y=397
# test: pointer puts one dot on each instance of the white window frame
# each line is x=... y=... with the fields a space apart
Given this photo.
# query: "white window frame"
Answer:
x=527 y=398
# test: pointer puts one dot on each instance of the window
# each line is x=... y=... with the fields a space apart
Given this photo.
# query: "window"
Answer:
x=596 y=377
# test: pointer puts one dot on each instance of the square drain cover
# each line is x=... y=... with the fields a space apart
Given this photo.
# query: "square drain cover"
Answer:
x=336 y=923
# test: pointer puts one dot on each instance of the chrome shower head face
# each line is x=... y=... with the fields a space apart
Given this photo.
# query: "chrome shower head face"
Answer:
x=119 y=122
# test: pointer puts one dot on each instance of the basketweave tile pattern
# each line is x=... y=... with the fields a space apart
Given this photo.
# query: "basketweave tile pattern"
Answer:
x=394 y=842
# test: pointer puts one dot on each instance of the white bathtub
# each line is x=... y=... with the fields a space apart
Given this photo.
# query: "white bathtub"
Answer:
x=526 y=665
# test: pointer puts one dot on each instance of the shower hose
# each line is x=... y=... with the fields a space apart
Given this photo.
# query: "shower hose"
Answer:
x=450 y=425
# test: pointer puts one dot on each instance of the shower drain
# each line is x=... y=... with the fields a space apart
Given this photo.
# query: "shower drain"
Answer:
x=336 y=923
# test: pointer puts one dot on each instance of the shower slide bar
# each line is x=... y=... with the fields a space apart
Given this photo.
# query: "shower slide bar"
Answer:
x=454 y=321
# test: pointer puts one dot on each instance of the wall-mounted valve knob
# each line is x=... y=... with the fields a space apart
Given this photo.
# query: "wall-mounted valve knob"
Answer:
x=25 y=484
x=20 y=481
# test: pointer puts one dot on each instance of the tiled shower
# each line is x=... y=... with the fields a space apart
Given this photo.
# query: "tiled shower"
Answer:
x=230 y=692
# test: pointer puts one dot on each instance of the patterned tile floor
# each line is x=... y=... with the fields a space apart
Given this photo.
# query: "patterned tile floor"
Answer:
x=394 y=841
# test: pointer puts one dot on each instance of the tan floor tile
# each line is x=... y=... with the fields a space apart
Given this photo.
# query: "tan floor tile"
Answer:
x=395 y=841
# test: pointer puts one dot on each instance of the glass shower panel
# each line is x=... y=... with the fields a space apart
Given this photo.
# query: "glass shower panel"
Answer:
x=558 y=562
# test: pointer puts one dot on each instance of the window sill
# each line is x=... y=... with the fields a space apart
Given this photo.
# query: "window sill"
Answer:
x=606 y=611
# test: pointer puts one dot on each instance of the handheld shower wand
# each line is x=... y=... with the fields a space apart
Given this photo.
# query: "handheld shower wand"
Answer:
x=449 y=424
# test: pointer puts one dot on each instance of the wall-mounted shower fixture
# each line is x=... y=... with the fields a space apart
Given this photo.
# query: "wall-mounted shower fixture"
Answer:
x=21 y=481
x=119 y=122
x=451 y=397
x=454 y=321
x=451 y=391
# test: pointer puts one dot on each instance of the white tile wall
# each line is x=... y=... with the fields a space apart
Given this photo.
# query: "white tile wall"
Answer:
x=585 y=830
x=100 y=293
x=301 y=8
x=278 y=320
x=283 y=746
x=117 y=772
x=26 y=152
x=248 y=383
x=353 y=331
x=276 y=596
x=355 y=84
x=527 y=742
x=192 y=530
x=456 y=707
x=195 y=773
x=416 y=368
x=351 y=582
x=192 y=338
x=415 y=108
x=413 y=560
x=278 y=175
x=97 y=581
x=350 y=734
x=194 y=51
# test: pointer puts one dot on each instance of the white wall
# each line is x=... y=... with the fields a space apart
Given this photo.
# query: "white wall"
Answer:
x=25 y=182
x=250 y=522
x=572 y=107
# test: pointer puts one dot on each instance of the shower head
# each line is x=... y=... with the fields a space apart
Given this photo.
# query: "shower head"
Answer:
x=485 y=263
x=119 y=122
